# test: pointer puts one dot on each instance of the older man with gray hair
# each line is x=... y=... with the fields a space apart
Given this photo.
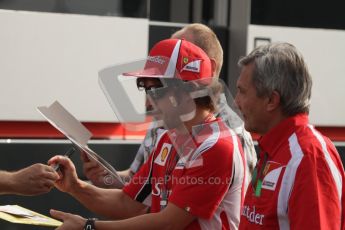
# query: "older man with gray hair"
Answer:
x=298 y=181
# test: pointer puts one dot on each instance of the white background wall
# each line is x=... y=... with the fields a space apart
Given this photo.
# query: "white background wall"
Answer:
x=47 y=56
x=324 y=52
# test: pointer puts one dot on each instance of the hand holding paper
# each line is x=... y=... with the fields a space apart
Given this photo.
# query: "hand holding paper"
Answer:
x=68 y=174
x=76 y=132
x=70 y=221
x=94 y=171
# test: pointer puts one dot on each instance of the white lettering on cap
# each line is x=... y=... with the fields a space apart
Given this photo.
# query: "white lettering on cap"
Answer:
x=156 y=59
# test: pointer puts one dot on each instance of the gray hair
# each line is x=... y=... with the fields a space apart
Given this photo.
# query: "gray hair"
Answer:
x=280 y=67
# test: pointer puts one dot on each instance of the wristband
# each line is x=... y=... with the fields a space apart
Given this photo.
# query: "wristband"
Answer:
x=90 y=224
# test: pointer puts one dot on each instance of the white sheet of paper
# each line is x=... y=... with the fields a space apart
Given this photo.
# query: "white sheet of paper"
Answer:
x=66 y=123
x=15 y=210
x=19 y=215
x=76 y=132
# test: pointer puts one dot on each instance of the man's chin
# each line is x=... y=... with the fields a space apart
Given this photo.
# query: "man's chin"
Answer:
x=248 y=127
x=172 y=124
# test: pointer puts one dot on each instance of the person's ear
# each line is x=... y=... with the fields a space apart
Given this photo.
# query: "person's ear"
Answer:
x=273 y=101
x=213 y=66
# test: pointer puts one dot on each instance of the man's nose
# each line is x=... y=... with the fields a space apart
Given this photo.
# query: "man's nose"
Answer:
x=148 y=104
x=237 y=101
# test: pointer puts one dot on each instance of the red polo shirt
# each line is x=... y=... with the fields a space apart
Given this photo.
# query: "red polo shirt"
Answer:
x=210 y=186
x=299 y=182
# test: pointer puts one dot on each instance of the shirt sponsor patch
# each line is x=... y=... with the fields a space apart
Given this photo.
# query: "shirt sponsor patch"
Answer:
x=271 y=179
x=161 y=159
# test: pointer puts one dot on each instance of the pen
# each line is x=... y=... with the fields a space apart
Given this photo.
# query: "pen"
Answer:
x=67 y=154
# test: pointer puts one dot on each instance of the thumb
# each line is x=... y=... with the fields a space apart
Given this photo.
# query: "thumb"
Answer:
x=84 y=157
x=58 y=214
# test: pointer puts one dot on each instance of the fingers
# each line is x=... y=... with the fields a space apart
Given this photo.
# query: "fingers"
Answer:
x=62 y=160
x=54 y=160
x=58 y=214
x=95 y=172
x=37 y=188
x=70 y=221
x=44 y=183
x=91 y=164
x=84 y=157
x=49 y=177
x=49 y=173
x=49 y=184
x=92 y=167
x=53 y=176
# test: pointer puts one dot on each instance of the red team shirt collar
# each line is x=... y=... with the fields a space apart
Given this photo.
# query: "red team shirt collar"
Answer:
x=275 y=137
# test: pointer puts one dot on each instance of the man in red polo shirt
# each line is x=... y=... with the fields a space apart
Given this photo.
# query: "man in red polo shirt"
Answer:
x=194 y=179
x=298 y=182
x=202 y=36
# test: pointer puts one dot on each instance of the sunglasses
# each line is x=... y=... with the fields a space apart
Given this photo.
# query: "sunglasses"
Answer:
x=158 y=90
